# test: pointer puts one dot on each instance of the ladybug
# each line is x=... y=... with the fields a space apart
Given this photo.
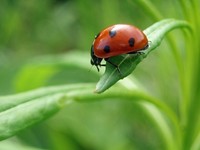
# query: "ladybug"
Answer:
x=117 y=40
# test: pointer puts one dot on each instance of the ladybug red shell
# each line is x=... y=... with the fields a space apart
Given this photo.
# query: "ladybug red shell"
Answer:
x=117 y=40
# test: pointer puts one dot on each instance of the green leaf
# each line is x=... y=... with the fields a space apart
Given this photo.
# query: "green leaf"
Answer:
x=23 y=110
x=127 y=63
x=22 y=116
x=20 y=111
x=7 y=102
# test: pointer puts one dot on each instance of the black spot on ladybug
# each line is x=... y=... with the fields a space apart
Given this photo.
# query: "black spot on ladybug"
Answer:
x=97 y=35
x=112 y=33
x=131 y=42
x=106 y=49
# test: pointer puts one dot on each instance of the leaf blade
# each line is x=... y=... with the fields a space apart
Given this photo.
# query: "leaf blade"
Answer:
x=22 y=116
x=155 y=33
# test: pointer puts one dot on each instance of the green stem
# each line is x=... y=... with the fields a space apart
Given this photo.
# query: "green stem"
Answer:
x=136 y=96
x=193 y=73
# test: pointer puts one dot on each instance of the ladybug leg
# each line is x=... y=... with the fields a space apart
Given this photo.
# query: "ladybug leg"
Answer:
x=140 y=53
x=97 y=66
x=132 y=53
x=137 y=53
x=102 y=64
x=116 y=66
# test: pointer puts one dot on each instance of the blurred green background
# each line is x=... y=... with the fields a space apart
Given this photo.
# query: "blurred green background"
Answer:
x=35 y=34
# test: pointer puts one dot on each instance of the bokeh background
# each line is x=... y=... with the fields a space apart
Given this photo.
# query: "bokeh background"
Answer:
x=36 y=34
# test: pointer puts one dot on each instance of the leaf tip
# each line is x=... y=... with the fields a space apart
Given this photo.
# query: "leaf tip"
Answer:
x=98 y=89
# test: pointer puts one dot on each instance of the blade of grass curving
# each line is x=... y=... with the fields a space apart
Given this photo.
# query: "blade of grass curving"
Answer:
x=20 y=111
x=164 y=129
x=24 y=115
x=141 y=97
x=45 y=102
x=7 y=102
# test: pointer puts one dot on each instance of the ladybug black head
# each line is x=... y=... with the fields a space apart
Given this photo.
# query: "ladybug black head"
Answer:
x=95 y=60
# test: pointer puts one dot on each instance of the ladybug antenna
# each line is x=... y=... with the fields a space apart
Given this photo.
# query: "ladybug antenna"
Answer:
x=90 y=69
